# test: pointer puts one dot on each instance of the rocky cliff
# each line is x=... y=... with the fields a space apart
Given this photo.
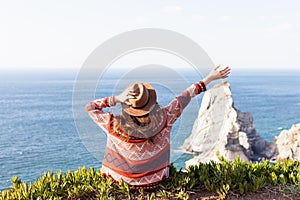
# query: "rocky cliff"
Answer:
x=222 y=130
x=288 y=144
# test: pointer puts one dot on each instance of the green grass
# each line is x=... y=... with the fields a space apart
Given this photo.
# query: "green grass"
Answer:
x=237 y=177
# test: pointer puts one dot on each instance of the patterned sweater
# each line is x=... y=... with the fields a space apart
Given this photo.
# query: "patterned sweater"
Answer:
x=140 y=162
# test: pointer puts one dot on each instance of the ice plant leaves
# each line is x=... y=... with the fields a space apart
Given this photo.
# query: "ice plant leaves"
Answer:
x=238 y=177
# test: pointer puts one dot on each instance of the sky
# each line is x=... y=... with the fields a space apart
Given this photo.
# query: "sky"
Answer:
x=61 y=34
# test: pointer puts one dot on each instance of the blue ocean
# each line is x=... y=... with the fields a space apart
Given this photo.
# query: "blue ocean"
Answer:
x=38 y=132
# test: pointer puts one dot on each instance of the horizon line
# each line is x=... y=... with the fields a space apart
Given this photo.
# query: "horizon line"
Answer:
x=77 y=69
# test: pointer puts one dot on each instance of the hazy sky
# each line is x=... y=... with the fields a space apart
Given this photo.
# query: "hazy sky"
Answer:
x=52 y=33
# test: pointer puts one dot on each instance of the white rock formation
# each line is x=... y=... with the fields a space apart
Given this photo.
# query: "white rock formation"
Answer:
x=288 y=144
x=222 y=130
x=216 y=130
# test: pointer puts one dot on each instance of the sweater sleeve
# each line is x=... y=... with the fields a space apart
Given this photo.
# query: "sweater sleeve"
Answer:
x=176 y=106
x=95 y=111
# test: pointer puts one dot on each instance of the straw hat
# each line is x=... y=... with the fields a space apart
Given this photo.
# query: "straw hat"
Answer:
x=144 y=101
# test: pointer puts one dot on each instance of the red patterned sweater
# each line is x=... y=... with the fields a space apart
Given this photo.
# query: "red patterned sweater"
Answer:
x=140 y=162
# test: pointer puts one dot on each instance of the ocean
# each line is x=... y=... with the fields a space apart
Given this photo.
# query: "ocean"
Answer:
x=38 y=131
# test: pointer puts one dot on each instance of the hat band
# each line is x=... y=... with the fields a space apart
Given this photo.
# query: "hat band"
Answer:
x=140 y=107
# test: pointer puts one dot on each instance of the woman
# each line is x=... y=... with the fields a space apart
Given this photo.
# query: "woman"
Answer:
x=138 y=140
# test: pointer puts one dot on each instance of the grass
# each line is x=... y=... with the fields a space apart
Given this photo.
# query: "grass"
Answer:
x=218 y=180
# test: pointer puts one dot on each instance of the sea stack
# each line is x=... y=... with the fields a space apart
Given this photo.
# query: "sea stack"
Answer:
x=222 y=130
x=288 y=144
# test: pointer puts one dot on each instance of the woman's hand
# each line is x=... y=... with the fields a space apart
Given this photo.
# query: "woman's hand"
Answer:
x=128 y=93
x=216 y=74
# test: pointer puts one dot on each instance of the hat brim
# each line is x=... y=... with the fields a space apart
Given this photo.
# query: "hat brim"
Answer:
x=146 y=108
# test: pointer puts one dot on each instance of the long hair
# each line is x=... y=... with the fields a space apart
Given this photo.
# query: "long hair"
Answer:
x=138 y=126
x=141 y=120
